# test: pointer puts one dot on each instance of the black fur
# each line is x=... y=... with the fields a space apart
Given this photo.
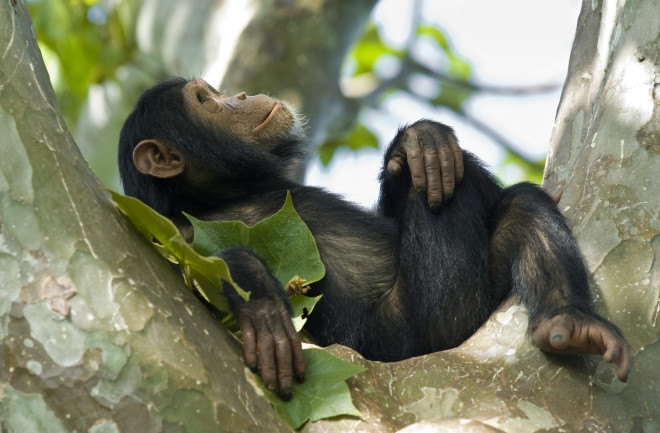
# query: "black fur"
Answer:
x=401 y=280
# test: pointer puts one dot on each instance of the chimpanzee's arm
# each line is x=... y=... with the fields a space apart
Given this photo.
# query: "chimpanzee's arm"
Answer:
x=269 y=338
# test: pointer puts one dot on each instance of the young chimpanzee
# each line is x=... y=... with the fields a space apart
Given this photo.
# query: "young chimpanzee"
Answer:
x=444 y=247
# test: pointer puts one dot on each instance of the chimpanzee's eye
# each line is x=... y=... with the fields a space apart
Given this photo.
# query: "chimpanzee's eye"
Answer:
x=202 y=98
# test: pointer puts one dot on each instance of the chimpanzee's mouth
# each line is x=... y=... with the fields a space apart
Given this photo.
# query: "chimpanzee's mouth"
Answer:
x=268 y=118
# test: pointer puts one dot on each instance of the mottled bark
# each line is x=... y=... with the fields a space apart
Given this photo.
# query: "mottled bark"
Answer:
x=605 y=154
x=97 y=333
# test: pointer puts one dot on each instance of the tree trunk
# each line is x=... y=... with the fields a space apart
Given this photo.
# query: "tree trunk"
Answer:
x=605 y=153
x=97 y=331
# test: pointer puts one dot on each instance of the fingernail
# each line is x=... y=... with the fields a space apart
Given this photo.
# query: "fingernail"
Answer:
x=300 y=378
x=556 y=338
x=285 y=395
x=253 y=368
x=627 y=378
x=435 y=208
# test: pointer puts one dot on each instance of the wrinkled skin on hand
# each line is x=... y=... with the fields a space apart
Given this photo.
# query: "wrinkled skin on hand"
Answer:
x=270 y=341
x=572 y=332
x=431 y=152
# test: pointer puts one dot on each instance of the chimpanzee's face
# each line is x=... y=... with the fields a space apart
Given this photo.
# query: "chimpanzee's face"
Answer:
x=252 y=119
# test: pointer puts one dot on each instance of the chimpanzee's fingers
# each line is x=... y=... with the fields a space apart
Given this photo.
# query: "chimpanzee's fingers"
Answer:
x=615 y=349
x=610 y=350
x=433 y=177
x=415 y=158
x=459 y=168
x=448 y=175
x=623 y=363
x=395 y=165
x=297 y=357
x=560 y=337
x=249 y=343
x=571 y=333
x=439 y=166
x=435 y=161
x=282 y=357
x=265 y=347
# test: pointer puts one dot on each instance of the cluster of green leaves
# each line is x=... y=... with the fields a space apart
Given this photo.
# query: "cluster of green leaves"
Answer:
x=369 y=49
x=83 y=42
x=456 y=66
x=358 y=138
x=282 y=240
x=204 y=273
x=452 y=74
x=289 y=249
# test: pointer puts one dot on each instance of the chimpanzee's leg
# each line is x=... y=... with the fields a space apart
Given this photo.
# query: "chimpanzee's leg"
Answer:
x=443 y=278
x=535 y=256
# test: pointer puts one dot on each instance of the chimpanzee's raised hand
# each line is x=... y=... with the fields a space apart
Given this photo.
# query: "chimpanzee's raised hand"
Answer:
x=430 y=151
x=269 y=338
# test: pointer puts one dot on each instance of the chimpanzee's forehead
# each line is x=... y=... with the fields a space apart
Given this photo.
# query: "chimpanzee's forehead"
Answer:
x=203 y=83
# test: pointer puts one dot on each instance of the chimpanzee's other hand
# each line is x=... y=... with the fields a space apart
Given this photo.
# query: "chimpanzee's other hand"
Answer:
x=573 y=332
x=271 y=342
x=269 y=339
x=431 y=151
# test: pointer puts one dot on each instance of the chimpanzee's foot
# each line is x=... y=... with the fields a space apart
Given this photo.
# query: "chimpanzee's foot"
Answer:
x=573 y=332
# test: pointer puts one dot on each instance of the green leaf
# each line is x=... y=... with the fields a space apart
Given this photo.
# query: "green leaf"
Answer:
x=90 y=52
x=451 y=94
x=369 y=48
x=282 y=240
x=324 y=394
x=357 y=138
x=204 y=273
x=302 y=307
x=459 y=68
x=435 y=34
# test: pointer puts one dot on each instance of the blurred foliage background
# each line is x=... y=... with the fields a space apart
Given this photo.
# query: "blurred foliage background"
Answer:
x=83 y=43
x=102 y=53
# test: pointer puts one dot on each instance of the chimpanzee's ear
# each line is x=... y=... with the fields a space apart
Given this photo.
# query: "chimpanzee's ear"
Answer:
x=157 y=159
